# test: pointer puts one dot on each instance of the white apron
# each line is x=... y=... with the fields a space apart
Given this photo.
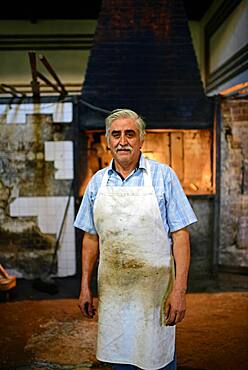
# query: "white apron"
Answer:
x=134 y=277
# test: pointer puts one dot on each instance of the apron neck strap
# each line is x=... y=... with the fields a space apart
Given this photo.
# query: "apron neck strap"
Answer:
x=105 y=178
x=146 y=175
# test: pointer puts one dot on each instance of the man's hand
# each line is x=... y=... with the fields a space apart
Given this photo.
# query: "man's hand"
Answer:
x=86 y=304
x=175 y=307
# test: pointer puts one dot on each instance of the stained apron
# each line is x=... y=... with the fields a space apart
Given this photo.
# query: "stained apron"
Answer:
x=135 y=275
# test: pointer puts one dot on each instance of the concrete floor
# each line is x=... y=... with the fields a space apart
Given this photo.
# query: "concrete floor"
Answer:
x=46 y=331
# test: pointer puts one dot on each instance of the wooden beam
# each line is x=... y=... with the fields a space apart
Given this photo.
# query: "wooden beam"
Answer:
x=49 y=83
x=34 y=83
x=53 y=74
x=177 y=153
x=6 y=90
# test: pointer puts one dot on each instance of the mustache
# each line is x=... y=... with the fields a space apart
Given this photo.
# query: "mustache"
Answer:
x=126 y=147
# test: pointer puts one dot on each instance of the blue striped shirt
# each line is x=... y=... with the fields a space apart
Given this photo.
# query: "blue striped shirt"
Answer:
x=176 y=211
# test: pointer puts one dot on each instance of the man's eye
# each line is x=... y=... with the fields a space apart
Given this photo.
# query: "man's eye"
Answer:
x=130 y=134
x=115 y=135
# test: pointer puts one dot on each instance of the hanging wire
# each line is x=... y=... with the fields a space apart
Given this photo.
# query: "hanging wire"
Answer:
x=94 y=107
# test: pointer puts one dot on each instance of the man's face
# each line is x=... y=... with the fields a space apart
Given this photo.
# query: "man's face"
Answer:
x=124 y=141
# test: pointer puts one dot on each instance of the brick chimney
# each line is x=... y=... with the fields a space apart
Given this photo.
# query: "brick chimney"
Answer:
x=143 y=59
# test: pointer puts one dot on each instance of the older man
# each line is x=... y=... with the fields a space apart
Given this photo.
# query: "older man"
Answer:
x=134 y=214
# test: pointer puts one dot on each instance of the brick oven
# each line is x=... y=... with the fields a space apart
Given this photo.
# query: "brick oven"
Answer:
x=143 y=59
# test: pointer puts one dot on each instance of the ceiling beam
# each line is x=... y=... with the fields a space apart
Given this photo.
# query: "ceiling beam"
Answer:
x=34 y=83
x=53 y=74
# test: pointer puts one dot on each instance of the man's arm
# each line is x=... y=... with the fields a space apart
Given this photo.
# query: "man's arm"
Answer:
x=176 y=302
x=90 y=251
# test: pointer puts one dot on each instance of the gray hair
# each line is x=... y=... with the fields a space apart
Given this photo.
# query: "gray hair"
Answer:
x=125 y=113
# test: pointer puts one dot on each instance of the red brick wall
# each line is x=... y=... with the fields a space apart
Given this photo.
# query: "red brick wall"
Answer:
x=143 y=58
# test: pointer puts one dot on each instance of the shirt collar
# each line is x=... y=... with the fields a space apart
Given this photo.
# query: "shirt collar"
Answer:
x=141 y=164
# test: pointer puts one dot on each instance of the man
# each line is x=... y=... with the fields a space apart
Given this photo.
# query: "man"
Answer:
x=134 y=214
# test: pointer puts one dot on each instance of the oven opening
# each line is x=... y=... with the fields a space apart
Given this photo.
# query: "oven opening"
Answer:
x=188 y=152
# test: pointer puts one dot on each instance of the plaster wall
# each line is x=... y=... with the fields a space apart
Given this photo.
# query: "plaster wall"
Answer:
x=36 y=170
x=201 y=236
x=234 y=184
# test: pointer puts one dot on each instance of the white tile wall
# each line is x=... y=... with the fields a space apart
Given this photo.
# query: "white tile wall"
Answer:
x=16 y=114
x=50 y=212
x=61 y=152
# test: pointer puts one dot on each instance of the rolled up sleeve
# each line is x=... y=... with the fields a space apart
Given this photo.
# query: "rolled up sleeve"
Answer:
x=179 y=211
x=84 y=219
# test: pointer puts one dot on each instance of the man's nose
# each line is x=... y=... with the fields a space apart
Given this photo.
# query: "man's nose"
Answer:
x=123 y=139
